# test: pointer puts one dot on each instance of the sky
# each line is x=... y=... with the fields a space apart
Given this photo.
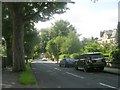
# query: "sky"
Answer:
x=88 y=18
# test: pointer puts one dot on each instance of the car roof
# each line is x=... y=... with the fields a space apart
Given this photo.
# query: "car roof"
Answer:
x=91 y=53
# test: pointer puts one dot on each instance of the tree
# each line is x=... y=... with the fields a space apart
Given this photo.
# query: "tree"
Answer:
x=62 y=28
x=71 y=44
x=31 y=40
x=24 y=12
x=118 y=35
x=59 y=28
x=54 y=46
x=44 y=38
x=7 y=33
x=108 y=47
x=93 y=46
x=85 y=41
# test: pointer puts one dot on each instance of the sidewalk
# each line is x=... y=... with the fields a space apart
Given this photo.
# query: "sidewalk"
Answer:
x=112 y=70
x=10 y=80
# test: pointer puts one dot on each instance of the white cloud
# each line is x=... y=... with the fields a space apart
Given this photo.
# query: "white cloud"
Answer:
x=87 y=21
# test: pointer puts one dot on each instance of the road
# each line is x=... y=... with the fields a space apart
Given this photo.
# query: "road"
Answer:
x=50 y=75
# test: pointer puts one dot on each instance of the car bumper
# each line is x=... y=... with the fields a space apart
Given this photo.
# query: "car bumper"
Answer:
x=96 y=65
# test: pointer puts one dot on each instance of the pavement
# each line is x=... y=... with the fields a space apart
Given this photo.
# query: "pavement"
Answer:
x=10 y=79
x=112 y=70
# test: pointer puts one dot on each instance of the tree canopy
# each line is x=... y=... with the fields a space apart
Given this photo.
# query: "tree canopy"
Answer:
x=23 y=12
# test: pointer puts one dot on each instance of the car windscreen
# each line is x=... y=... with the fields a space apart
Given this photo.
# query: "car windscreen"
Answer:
x=69 y=60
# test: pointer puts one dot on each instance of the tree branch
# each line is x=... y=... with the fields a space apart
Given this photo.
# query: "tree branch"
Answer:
x=31 y=16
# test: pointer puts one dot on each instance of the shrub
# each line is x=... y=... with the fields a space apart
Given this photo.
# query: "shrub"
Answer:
x=107 y=57
x=62 y=56
x=115 y=55
x=75 y=55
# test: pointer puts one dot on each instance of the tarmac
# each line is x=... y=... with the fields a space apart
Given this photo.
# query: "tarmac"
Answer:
x=10 y=79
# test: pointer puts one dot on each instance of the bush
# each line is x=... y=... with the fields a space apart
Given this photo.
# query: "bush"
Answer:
x=62 y=56
x=107 y=57
x=75 y=55
x=115 y=55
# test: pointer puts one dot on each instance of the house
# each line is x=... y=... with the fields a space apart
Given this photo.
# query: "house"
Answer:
x=108 y=36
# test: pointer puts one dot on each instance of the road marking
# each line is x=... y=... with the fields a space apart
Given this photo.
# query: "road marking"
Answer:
x=107 y=85
x=74 y=75
x=57 y=69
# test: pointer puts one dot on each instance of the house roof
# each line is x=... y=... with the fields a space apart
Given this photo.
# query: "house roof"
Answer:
x=109 y=33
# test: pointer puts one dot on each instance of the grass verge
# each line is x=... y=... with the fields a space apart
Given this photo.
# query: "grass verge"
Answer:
x=26 y=77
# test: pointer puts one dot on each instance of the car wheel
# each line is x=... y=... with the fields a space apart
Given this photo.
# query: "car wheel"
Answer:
x=101 y=69
x=76 y=68
x=60 y=65
x=64 y=65
x=85 y=69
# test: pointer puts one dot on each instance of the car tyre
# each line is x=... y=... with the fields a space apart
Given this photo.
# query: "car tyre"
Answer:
x=76 y=68
x=85 y=69
x=60 y=65
x=101 y=69
x=65 y=65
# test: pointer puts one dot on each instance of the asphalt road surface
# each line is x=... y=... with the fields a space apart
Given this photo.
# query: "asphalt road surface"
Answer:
x=50 y=75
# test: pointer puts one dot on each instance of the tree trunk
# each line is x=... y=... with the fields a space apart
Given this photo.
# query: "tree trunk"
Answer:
x=9 y=52
x=18 y=46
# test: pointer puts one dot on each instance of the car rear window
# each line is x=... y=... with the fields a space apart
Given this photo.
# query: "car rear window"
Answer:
x=96 y=56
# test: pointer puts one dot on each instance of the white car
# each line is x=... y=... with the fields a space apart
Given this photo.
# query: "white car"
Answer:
x=44 y=59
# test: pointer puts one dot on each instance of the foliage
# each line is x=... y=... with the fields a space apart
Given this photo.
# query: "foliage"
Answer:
x=59 y=28
x=71 y=44
x=108 y=47
x=75 y=55
x=85 y=41
x=26 y=77
x=118 y=35
x=2 y=48
x=23 y=12
x=31 y=40
x=44 y=38
x=64 y=55
x=7 y=34
x=62 y=28
x=115 y=55
x=93 y=46
x=107 y=56
x=54 y=45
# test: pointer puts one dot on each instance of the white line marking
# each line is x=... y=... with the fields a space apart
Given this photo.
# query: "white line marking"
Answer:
x=107 y=85
x=57 y=69
x=75 y=75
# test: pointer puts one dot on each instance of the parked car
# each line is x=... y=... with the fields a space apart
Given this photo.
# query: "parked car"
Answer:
x=67 y=62
x=91 y=61
x=44 y=59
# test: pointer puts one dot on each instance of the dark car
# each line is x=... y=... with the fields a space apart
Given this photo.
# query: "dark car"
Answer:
x=91 y=61
x=67 y=62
